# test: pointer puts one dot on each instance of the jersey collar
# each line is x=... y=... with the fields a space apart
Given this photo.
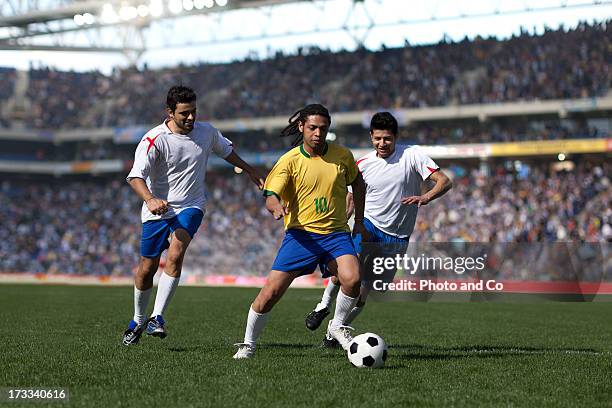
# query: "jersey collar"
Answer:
x=305 y=153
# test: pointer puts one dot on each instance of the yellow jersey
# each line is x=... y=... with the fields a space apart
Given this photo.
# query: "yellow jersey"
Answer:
x=314 y=188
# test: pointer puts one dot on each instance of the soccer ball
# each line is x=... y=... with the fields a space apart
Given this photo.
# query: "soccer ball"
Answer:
x=367 y=350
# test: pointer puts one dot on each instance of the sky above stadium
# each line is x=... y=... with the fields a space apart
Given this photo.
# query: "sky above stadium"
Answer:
x=190 y=39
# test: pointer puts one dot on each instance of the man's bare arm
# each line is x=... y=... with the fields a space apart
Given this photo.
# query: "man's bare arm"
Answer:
x=254 y=175
x=157 y=206
x=350 y=206
x=442 y=186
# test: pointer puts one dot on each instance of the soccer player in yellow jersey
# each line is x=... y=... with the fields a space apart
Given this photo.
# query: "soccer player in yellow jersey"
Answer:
x=307 y=188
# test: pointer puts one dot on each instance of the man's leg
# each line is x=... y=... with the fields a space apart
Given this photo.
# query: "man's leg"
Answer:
x=276 y=285
x=367 y=255
x=349 y=278
x=355 y=311
x=168 y=281
x=321 y=311
x=330 y=292
x=388 y=275
x=143 y=284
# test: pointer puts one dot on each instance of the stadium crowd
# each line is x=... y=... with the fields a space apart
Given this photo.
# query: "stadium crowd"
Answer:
x=559 y=63
x=422 y=133
x=491 y=131
x=7 y=83
x=536 y=205
x=94 y=226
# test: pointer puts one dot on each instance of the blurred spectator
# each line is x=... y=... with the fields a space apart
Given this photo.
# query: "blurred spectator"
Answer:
x=540 y=206
x=422 y=133
x=93 y=227
x=8 y=77
x=558 y=64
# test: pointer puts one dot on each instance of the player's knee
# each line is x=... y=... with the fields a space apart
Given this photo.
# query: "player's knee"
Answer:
x=351 y=281
x=148 y=266
x=174 y=258
x=264 y=302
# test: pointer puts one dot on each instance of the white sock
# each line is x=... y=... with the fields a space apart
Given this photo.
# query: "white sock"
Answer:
x=344 y=304
x=255 y=324
x=331 y=291
x=165 y=289
x=141 y=301
x=353 y=314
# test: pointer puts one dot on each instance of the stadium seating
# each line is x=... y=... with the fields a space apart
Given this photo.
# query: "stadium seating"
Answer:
x=555 y=65
x=93 y=225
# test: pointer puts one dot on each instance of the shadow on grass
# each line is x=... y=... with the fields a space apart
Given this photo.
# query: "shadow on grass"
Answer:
x=285 y=346
x=425 y=352
x=290 y=345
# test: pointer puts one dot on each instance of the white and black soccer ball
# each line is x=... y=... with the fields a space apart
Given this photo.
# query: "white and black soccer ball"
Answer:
x=367 y=350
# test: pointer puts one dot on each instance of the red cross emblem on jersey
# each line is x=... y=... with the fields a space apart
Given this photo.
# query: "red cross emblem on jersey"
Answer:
x=151 y=143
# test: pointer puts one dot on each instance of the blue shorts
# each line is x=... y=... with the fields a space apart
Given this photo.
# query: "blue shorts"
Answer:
x=380 y=237
x=380 y=244
x=302 y=251
x=155 y=233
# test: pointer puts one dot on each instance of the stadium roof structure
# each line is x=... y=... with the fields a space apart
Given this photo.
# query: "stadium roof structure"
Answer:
x=120 y=26
x=23 y=20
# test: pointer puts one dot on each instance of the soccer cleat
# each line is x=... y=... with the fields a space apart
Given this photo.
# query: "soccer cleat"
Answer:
x=132 y=335
x=315 y=318
x=245 y=350
x=342 y=334
x=156 y=328
x=329 y=343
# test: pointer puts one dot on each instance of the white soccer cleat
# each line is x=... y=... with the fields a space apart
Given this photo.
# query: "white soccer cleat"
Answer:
x=245 y=350
x=341 y=333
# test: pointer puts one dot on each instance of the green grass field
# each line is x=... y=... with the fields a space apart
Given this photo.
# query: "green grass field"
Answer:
x=441 y=354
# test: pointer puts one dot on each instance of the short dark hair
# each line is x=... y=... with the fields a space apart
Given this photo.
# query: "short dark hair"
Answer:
x=384 y=121
x=179 y=94
x=301 y=116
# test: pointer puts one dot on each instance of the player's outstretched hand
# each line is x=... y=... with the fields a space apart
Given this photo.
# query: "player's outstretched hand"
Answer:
x=418 y=200
x=359 y=228
x=257 y=179
x=157 y=206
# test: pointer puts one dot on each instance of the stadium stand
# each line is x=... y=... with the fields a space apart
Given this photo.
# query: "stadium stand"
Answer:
x=7 y=89
x=559 y=64
x=75 y=214
x=76 y=225
x=499 y=130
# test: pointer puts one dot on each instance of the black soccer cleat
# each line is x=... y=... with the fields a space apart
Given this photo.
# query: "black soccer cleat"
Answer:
x=132 y=335
x=330 y=343
x=315 y=318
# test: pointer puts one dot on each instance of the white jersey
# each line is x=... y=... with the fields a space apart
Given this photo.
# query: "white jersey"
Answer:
x=390 y=179
x=174 y=166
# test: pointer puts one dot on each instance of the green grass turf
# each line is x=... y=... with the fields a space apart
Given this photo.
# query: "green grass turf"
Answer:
x=441 y=354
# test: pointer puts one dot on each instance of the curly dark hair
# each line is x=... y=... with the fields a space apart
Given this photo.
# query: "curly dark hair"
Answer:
x=384 y=121
x=179 y=94
x=300 y=116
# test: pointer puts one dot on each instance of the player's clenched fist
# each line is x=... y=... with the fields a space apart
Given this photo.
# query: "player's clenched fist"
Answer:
x=157 y=206
x=276 y=208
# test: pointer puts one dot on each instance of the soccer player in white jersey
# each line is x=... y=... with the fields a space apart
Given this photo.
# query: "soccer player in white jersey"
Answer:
x=169 y=175
x=393 y=175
